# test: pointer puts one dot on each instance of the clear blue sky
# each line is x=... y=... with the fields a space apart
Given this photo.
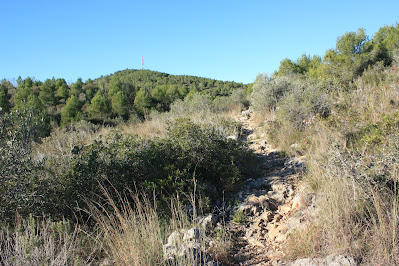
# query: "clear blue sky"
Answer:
x=226 y=40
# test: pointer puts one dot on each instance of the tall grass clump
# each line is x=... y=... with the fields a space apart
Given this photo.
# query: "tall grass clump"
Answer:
x=130 y=235
x=134 y=233
x=41 y=242
x=358 y=204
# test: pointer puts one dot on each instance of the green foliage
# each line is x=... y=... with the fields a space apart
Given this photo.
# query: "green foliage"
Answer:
x=143 y=101
x=77 y=87
x=47 y=93
x=71 y=111
x=4 y=103
x=354 y=53
x=239 y=217
x=100 y=106
x=136 y=92
x=22 y=187
x=303 y=104
x=352 y=43
x=267 y=91
x=21 y=97
x=119 y=104
x=189 y=152
x=62 y=89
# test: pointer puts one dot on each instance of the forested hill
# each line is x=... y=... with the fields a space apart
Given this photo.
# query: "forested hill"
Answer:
x=124 y=93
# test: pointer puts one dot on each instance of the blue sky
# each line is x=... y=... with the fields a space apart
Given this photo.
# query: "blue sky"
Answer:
x=225 y=40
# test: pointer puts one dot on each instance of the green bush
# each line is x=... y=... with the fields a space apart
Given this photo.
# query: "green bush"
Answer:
x=268 y=91
x=21 y=187
x=190 y=155
x=302 y=104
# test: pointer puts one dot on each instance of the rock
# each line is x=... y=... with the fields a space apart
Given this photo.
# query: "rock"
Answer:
x=297 y=203
x=192 y=234
x=245 y=208
x=175 y=238
x=284 y=209
x=232 y=137
x=267 y=216
x=212 y=263
x=255 y=211
x=331 y=260
x=246 y=112
x=339 y=260
x=278 y=234
x=294 y=146
x=169 y=251
x=185 y=246
x=208 y=222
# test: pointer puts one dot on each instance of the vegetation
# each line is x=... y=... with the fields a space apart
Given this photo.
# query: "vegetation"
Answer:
x=91 y=167
x=120 y=95
x=341 y=111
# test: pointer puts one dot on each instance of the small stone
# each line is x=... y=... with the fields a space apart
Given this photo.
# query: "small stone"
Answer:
x=174 y=238
x=193 y=233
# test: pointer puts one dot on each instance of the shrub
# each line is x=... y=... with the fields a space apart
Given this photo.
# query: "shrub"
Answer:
x=189 y=152
x=22 y=188
x=267 y=91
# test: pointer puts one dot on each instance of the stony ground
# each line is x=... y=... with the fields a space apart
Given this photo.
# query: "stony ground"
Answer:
x=273 y=205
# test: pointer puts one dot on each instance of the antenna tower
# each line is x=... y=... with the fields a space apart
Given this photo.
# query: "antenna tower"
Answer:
x=142 y=63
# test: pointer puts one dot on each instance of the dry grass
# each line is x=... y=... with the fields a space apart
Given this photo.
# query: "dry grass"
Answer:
x=355 y=180
x=135 y=234
x=131 y=236
x=40 y=242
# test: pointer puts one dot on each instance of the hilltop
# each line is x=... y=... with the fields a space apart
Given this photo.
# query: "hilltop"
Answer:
x=124 y=94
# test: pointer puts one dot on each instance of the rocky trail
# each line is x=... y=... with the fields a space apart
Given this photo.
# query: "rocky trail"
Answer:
x=272 y=205
x=271 y=208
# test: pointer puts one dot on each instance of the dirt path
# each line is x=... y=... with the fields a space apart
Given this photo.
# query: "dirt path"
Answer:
x=271 y=204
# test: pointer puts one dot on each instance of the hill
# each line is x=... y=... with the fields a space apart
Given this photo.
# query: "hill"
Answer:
x=122 y=94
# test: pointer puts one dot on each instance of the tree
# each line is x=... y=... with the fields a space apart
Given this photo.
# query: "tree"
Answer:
x=99 y=107
x=76 y=88
x=183 y=91
x=71 y=111
x=352 y=43
x=47 y=93
x=62 y=89
x=115 y=85
x=90 y=89
x=143 y=101
x=119 y=104
x=4 y=104
x=287 y=67
x=172 y=93
x=24 y=90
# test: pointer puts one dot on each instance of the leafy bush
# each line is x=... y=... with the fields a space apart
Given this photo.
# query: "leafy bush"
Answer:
x=189 y=155
x=267 y=91
x=22 y=187
x=302 y=104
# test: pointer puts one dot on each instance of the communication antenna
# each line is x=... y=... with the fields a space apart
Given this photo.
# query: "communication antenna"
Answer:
x=142 y=63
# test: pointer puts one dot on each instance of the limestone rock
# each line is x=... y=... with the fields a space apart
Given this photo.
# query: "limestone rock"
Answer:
x=208 y=222
x=191 y=234
x=331 y=260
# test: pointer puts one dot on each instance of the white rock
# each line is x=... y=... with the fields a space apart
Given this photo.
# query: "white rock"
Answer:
x=209 y=221
x=191 y=234
x=233 y=137
x=331 y=260
x=174 y=238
